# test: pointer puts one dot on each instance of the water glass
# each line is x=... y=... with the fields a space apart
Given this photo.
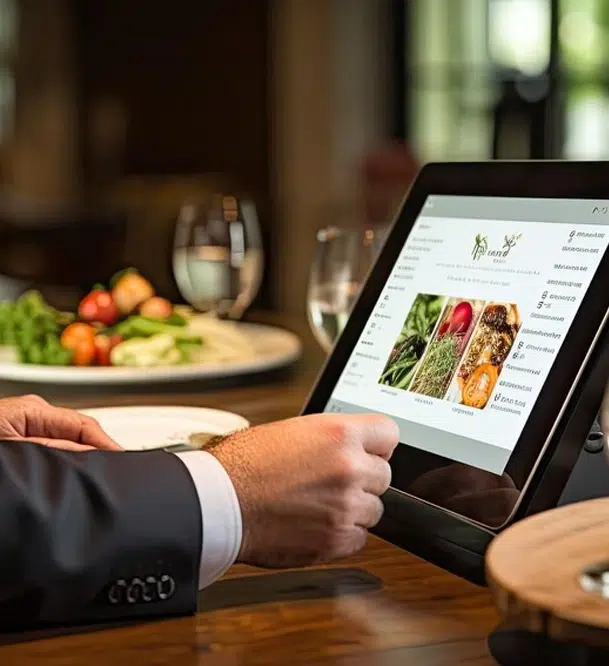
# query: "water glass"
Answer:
x=218 y=259
x=342 y=259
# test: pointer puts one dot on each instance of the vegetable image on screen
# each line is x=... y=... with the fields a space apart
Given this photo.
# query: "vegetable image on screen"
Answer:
x=412 y=341
x=440 y=362
x=483 y=361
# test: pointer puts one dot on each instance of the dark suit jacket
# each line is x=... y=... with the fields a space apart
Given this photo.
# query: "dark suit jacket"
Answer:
x=94 y=537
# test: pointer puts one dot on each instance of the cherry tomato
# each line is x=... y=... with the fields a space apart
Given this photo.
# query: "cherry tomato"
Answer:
x=98 y=307
x=115 y=339
x=130 y=291
x=156 y=308
x=104 y=344
x=102 y=350
x=80 y=338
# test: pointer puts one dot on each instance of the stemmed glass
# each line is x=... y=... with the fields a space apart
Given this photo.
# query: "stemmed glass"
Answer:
x=218 y=259
x=342 y=259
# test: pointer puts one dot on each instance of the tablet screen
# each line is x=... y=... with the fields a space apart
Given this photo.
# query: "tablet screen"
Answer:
x=470 y=321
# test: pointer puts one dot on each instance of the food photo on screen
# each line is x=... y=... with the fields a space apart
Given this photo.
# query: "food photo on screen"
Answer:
x=446 y=348
x=490 y=345
x=408 y=349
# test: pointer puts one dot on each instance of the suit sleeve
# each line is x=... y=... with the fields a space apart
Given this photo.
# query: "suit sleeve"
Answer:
x=95 y=537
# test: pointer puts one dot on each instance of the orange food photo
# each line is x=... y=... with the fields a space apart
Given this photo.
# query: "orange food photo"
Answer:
x=479 y=385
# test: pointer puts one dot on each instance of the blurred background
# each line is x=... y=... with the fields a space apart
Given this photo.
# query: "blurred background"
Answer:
x=115 y=114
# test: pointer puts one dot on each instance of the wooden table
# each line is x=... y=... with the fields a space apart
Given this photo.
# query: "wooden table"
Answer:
x=421 y=616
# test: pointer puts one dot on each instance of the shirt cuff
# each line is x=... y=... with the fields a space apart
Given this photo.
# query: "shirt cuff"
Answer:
x=220 y=512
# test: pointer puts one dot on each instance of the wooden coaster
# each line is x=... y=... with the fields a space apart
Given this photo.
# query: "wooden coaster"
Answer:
x=550 y=573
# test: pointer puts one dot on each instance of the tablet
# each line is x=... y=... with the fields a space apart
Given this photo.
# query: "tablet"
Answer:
x=477 y=330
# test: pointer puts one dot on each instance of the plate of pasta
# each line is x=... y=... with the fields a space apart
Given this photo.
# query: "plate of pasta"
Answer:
x=126 y=334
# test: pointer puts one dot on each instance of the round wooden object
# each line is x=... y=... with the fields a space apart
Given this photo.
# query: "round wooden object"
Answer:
x=546 y=573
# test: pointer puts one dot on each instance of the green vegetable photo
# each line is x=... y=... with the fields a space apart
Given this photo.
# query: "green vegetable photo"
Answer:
x=412 y=341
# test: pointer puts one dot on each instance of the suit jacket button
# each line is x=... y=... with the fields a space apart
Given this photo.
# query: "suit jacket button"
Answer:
x=150 y=589
x=166 y=586
x=135 y=590
x=116 y=591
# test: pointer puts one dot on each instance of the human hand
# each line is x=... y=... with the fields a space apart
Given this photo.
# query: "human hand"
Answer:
x=32 y=419
x=309 y=487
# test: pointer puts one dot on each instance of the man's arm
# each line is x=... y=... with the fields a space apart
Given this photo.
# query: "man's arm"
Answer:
x=96 y=536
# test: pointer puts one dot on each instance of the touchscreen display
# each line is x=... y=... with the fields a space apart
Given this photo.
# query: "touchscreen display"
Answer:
x=470 y=321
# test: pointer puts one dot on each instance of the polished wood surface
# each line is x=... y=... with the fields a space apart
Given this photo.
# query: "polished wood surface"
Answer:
x=544 y=593
x=421 y=615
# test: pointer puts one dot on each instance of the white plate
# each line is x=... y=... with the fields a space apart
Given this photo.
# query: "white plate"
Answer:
x=142 y=428
x=274 y=348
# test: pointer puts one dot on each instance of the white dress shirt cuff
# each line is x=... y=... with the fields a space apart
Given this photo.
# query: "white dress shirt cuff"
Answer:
x=220 y=513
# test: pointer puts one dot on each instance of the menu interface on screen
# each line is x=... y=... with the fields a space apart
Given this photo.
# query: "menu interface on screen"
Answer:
x=471 y=319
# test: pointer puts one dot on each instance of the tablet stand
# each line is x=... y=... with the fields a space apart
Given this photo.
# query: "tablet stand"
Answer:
x=517 y=647
x=590 y=476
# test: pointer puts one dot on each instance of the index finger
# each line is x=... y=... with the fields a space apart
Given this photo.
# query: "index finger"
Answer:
x=94 y=435
x=67 y=424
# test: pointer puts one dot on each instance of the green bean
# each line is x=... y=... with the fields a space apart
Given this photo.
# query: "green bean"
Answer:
x=403 y=384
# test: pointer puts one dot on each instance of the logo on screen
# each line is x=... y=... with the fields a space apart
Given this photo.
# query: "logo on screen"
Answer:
x=481 y=247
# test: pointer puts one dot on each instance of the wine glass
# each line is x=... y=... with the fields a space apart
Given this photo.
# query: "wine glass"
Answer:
x=218 y=259
x=342 y=259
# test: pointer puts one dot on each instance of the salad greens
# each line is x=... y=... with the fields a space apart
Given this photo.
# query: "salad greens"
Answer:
x=123 y=323
x=33 y=327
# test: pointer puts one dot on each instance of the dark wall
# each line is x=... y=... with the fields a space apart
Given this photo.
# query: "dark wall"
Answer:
x=192 y=76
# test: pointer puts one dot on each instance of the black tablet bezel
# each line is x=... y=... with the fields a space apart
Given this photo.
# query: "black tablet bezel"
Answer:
x=534 y=179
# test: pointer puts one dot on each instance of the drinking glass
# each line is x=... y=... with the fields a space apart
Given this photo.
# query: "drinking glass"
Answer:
x=218 y=259
x=342 y=259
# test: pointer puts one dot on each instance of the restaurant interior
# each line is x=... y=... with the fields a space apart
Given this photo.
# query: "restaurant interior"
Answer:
x=192 y=195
